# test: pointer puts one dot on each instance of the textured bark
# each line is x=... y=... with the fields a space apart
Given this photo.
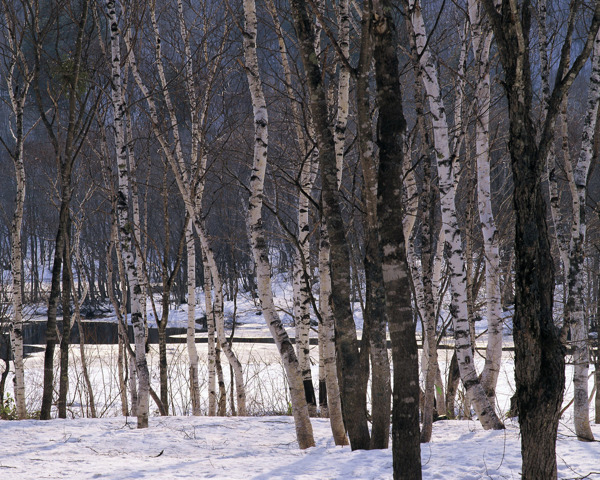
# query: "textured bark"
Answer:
x=456 y=261
x=423 y=280
x=576 y=309
x=341 y=121
x=302 y=285
x=212 y=355
x=258 y=243
x=391 y=131
x=353 y=400
x=430 y=356
x=539 y=361
x=190 y=338
x=17 y=99
x=327 y=339
x=375 y=319
x=481 y=38
x=126 y=239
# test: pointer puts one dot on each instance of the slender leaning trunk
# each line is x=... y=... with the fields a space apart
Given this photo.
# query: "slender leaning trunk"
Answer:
x=575 y=305
x=304 y=432
x=481 y=38
x=302 y=286
x=125 y=228
x=456 y=262
x=327 y=339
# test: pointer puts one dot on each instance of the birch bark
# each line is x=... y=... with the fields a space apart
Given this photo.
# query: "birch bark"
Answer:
x=483 y=408
x=304 y=432
x=327 y=338
x=343 y=20
x=191 y=314
x=17 y=98
x=212 y=354
x=481 y=38
x=576 y=311
x=125 y=228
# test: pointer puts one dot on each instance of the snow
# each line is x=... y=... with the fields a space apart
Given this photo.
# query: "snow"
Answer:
x=259 y=448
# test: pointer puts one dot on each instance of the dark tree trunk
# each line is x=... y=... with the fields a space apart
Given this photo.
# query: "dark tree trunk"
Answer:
x=162 y=351
x=67 y=280
x=354 y=404
x=391 y=129
x=51 y=325
x=375 y=324
x=539 y=355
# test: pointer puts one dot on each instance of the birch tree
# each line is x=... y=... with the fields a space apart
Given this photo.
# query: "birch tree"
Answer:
x=481 y=38
x=19 y=76
x=576 y=311
x=485 y=411
x=304 y=432
x=127 y=242
x=190 y=337
x=187 y=177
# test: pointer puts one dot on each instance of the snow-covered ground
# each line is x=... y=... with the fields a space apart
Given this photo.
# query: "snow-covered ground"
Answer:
x=258 y=448
x=261 y=447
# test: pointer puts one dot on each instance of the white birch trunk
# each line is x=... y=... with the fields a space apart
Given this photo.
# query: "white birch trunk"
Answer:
x=16 y=325
x=327 y=339
x=191 y=325
x=481 y=38
x=212 y=355
x=458 y=280
x=576 y=306
x=17 y=69
x=302 y=284
x=343 y=16
x=125 y=228
x=304 y=432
